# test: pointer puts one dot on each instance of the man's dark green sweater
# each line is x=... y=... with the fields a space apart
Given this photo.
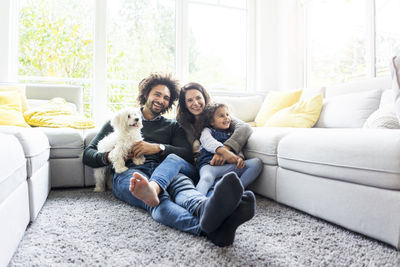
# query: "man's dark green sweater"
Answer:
x=160 y=131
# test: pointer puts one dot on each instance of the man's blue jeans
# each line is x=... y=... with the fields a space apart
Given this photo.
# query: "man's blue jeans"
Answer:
x=180 y=215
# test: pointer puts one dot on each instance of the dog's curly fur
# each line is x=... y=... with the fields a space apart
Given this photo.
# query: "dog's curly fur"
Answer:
x=127 y=124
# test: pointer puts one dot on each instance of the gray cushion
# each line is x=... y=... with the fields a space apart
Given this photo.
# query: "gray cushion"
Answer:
x=65 y=142
x=363 y=156
x=12 y=165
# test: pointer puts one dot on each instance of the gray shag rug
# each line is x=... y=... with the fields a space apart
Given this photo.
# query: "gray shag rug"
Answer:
x=79 y=227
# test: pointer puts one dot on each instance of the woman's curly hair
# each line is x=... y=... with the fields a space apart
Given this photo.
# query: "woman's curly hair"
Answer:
x=155 y=79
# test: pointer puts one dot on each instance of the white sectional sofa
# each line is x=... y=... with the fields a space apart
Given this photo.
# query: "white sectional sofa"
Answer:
x=34 y=160
x=346 y=175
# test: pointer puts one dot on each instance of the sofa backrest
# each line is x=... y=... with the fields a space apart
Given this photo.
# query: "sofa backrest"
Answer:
x=71 y=93
x=243 y=106
x=380 y=83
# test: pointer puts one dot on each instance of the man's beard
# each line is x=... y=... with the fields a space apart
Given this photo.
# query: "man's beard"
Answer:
x=149 y=105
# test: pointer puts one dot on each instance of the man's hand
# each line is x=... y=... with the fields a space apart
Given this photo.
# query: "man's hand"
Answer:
x=217 y=160
x=144 y=148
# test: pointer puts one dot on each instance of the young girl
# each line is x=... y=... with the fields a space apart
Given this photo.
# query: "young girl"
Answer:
x=218 y=130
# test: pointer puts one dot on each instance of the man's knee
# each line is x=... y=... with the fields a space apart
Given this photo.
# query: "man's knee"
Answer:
x=173 y=158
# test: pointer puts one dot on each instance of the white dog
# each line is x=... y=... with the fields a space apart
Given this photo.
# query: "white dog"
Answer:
x=127 y=124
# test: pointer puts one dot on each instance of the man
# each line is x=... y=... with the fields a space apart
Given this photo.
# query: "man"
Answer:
x=182 y=207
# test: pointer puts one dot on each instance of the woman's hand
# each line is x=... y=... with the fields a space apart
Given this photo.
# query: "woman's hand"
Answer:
x=144 y=148
x=217 y=160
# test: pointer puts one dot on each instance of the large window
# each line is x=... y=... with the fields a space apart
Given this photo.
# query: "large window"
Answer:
x=59 y=43
x=350 y=39
x=336 y=41
x=56 y=43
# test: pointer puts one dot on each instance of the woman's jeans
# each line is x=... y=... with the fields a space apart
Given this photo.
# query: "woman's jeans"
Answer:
x=209 y=174
x=178 y=207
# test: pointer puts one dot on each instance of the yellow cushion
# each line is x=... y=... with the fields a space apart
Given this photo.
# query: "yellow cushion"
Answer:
x=11 y=110
x=21 y=90
x=57 y=113
x=274 y=102
x=303 y=114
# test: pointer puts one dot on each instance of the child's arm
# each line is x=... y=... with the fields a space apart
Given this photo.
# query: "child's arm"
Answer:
x=241 y=134
x=208 y=142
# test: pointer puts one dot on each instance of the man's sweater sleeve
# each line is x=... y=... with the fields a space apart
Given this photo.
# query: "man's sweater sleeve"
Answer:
x=91 y=156
x=241 y=134
x=179 y=144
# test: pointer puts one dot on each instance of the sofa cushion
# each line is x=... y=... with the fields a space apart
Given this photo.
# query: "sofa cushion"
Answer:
x=274 y=102
x=64 y=142
x=35 y=144
x=303 y=114
x=11 y=109
x=348 y=110
x=263 y=143
x=384 y=117
x=12 y=165
x=242 y=107
x=363 y=156
x=21 y=93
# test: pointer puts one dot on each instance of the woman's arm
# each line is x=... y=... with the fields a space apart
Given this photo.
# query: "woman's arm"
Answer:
x=241 y=134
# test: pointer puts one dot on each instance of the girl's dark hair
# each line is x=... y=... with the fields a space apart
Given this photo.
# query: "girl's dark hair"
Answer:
x=183 y=114
x=155 y=79
x=209 y=112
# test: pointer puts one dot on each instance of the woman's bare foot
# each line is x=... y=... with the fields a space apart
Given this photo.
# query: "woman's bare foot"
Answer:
x=143 y=190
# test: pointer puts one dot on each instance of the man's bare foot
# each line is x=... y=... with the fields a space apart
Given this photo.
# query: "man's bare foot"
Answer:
x=143 y=190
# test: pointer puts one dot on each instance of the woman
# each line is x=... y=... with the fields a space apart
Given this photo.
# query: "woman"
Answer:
x=192 y=100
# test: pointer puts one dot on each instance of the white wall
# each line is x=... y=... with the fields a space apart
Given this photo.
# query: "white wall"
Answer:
x=8 y=33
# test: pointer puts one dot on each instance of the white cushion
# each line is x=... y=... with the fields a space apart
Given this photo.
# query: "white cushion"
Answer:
x=35 y=144
x=263 y=143
x=244 y=108
x=12 y=165
x=387 y=98
x=385 y=118
x=348 y=110
x=364 y=156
